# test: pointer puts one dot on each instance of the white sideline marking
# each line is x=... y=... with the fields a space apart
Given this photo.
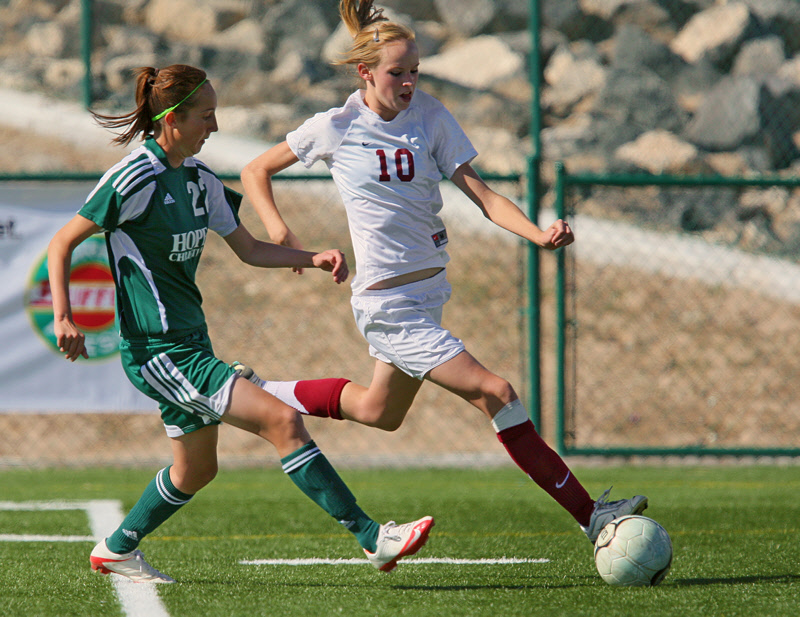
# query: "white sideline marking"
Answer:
x=410 y=562
x=13 y=537
x=137 y=599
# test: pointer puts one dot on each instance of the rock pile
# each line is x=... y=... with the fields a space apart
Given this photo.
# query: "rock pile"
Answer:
x=656 y=86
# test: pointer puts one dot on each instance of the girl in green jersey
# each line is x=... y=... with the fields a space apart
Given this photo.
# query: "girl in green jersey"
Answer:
x=155 y=208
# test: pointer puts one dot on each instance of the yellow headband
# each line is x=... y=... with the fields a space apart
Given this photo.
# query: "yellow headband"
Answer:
x=169 y=109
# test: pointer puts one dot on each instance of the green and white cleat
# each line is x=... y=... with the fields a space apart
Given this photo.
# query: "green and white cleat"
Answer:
x=398 y=541
x=130 y=565
x=606 y=511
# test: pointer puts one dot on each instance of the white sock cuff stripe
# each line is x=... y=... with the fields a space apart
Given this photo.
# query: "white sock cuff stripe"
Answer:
x=164 y=492
x=513 y=414
x=301 y=460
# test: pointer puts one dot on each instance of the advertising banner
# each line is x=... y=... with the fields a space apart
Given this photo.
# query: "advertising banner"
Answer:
x=34 y=376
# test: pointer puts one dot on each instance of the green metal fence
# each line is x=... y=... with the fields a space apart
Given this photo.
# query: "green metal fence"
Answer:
x=669 y=137
x=670 y=343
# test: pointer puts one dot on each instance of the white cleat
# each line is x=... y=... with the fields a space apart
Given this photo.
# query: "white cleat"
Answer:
x=398 y=541
x=130 y=565
x=606 y=511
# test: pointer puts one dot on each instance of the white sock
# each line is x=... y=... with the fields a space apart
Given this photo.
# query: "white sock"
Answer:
x=284 y=390
x=512 y=414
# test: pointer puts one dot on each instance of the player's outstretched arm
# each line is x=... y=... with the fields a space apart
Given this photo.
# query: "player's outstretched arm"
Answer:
x=505 y=213
x=268 y=255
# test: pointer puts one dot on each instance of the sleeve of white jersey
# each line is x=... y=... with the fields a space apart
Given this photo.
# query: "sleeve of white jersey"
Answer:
x=316 y=139
x=452 y=147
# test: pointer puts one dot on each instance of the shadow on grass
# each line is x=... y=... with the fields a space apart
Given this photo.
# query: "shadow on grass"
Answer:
x=738 y=580
x=533 y=584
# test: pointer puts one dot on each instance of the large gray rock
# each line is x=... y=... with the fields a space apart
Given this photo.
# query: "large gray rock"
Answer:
x=567 y=17
x=571 y=74
x=779 y=110
x=729 y=117
x=760 y=57
x=423 y=10
x=467 y=17
x=637 y=101
x=633 y=47
x=297 y=26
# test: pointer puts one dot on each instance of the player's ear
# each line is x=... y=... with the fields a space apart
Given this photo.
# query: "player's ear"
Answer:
x=171 y=120
x=364 y=71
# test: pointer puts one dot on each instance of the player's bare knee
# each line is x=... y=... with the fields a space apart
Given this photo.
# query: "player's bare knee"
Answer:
x=203 y=477
x=283 y=424
x=196 y=476
x=388 y=424
x=381 y=417
x=500 y=389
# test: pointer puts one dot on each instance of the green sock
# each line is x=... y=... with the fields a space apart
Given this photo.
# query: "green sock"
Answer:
x=159 y=501
x=313 y=474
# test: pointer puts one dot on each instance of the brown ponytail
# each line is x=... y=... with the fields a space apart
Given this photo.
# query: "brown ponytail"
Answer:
x=370 y=31
x=156 y=90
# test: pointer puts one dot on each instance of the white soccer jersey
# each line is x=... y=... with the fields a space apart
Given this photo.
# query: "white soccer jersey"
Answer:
x=388 y=175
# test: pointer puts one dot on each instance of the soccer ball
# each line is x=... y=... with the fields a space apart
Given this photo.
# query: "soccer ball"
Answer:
x=633 y=551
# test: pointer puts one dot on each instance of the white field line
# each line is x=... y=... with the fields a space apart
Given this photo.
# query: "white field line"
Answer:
x=25 y=537
x=137 y=599
x=410 y=562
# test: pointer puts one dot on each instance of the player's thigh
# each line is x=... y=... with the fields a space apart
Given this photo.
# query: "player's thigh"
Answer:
x=469 y=379
x=392 y=390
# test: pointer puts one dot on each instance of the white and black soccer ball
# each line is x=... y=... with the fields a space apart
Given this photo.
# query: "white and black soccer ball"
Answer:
x=633 y=551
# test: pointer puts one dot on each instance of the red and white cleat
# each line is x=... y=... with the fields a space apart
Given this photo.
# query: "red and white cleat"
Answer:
x=130 y=565
x=398 y=541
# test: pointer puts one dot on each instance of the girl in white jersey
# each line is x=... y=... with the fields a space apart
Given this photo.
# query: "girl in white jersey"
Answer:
x=155 y=208
x=387 y=150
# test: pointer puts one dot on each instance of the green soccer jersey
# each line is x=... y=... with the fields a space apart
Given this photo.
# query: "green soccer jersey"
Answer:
x=155 y=219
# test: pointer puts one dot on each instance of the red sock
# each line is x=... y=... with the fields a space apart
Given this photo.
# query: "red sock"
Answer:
x=320 y=397
x=545 y=467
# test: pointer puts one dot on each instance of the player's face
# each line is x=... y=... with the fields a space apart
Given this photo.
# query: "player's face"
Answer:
x=193 y=127
x=391 y=84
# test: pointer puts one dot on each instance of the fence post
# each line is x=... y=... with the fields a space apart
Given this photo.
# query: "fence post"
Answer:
x=86 y=50
x=534 y=167
x=561 y=322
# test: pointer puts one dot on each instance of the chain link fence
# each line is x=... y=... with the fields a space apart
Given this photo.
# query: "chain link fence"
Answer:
x=657 y=351
x=291 y=327
x=677 y=125
x=677 y=342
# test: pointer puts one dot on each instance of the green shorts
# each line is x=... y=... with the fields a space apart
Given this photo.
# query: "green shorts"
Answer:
x=191 y=386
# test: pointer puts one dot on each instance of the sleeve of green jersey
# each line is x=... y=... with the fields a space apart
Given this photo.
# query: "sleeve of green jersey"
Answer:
x=234 y=199
x=102 y=207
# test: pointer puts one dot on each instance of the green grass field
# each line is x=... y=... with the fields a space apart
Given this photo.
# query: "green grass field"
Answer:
x=734 y=530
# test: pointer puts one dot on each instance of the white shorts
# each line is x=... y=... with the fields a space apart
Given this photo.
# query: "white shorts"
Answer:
x=403 y=325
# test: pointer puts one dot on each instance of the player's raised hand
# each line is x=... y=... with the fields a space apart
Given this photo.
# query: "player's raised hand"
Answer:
x=557 y=235
x=333 y=261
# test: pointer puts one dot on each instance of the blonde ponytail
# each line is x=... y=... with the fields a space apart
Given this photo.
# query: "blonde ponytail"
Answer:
x=370 y=31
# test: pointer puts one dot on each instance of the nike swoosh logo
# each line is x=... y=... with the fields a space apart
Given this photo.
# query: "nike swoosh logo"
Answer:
x=563 y=482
